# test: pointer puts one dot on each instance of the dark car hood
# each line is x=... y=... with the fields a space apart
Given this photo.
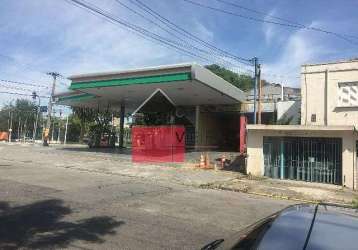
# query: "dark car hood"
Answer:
x=332 y=228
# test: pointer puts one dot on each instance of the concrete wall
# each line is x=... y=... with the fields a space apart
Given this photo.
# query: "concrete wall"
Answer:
x=288 y=109
x=210 y=133
x=216 y=129
x=255 y=159
x=319 y=92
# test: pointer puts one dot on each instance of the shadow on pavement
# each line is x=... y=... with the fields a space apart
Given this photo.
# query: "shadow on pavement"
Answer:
x=39 y=225
x=125 y=151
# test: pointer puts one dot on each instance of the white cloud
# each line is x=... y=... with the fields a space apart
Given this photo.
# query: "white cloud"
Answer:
x=269 y=30
x=203 y=32
x=301 y=47
x=71 y=41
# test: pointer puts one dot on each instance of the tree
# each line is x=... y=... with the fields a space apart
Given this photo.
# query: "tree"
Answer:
x=23 y=114
x=243 y=82
x=101 y=126
x=86 y=116
x=74 y=128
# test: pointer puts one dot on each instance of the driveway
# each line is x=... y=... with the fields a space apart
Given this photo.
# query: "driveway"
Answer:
x=61 y=198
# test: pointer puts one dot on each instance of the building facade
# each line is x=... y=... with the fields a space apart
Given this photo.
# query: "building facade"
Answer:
x=330 y=94
x=323 y=148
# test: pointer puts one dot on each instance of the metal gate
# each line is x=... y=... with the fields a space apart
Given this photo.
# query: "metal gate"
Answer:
x=303 y=158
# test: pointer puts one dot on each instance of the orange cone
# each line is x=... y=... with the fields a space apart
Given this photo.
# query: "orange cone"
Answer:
x=202 y=161
x=223 y=159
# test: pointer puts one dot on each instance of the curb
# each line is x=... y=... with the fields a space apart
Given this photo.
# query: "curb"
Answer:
x=278 y=197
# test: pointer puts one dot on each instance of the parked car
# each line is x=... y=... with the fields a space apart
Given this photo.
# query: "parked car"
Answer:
x=304 y=226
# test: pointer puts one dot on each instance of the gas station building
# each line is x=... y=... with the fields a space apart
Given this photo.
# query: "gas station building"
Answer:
x=182 y=94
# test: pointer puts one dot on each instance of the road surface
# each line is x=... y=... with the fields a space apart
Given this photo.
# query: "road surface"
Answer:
x=43 y=205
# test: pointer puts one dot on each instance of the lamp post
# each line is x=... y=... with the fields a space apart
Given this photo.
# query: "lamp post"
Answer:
x=34 y=96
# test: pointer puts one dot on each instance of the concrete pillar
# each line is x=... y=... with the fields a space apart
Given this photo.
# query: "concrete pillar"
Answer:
x=197 y=124
x=121 y=125
x=282 y=159
x=326 y=99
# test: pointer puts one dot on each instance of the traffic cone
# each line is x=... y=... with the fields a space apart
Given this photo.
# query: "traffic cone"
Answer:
x=202 y=161
x=207 y=161
x=223 y=159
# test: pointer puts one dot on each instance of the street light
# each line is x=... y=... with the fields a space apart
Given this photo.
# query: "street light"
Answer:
x=34 y=96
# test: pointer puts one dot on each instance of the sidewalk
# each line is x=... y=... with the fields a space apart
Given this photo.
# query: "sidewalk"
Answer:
x=288 y=189
x=119 y=162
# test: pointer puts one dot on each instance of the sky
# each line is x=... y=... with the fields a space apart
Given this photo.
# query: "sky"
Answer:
x=39 y=36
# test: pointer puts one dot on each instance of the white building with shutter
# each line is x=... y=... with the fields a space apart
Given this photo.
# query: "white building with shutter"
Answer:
x=324 y=147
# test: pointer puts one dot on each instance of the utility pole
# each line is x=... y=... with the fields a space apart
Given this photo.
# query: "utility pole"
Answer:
x=49 y=110
x=256 y=65
x=53 y=129
x=10 y=127
x=260 y=103
x=59 y=128
x=65 y=140
x=34 y=96
x=260 y=96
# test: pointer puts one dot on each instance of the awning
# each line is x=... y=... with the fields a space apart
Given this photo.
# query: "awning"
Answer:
x=184 y=84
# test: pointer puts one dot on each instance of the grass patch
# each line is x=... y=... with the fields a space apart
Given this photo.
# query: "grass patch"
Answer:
x=355 y=202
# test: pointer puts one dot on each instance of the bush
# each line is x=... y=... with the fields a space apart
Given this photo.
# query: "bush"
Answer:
x=355 y=202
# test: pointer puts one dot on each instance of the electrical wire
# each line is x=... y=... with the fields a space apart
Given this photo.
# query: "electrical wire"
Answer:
x=283 y=19
x=24 y=83
x=186 y=33
x=136 y=29
x=184 y=43
x=23 y=65
x=20 y=94
x=115 y=20
x=258 y=12
x=14 y=87
x=291 y=25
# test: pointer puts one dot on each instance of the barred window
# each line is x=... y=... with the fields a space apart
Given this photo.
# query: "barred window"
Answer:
x=348 y=94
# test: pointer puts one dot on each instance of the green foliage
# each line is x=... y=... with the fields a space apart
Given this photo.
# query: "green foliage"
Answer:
x=85 y=117
x=101 y=126
x=74 y=128
x=94 y=123
x=243 y=82
x=23 y=114
x=355 y=202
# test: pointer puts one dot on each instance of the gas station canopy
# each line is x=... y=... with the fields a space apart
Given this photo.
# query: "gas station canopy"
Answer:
x=184 y=84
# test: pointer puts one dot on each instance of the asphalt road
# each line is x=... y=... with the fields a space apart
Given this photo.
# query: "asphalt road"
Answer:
x=43 y=206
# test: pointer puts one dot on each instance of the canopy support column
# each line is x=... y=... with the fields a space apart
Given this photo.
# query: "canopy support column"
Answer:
x=121 y=125
x=197 y=124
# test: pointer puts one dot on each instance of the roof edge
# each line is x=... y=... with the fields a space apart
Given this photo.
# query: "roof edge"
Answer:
x=131 y=71
x=301 y=127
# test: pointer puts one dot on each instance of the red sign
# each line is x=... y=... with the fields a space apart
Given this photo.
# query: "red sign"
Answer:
x=158 y=143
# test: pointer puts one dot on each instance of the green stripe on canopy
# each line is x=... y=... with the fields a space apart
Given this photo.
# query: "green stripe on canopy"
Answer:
x=133 y=80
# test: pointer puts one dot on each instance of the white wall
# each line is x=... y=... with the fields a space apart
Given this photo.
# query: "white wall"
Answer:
x=319 y=91
x=255 y=156
x=287 y=109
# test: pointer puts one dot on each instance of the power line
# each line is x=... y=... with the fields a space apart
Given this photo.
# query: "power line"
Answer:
x=14 y=87
x=285 y=20
x=20 y=94
x=115 y=20
x=186 y=43
x=137 y=30
x=291 y=24
x=186 y=33
x=24 y=83
x=23 y=65
x=258 y=12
